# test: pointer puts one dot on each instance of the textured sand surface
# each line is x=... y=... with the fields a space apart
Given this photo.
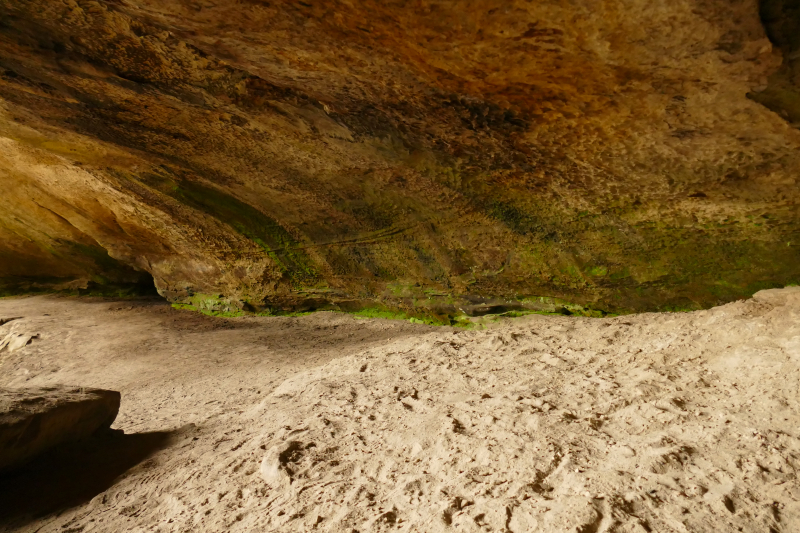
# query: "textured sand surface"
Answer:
x=653 y=422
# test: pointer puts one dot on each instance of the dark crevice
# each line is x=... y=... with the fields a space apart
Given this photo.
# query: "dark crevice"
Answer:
x=781 y=19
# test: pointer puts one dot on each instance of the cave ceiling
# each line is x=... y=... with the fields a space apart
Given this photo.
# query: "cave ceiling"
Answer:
x=618 y=154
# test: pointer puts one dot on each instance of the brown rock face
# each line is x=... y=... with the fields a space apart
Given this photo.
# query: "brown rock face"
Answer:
x=432 y=152
x=35 y=419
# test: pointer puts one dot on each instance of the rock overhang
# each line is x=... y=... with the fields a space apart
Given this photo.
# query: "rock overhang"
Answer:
x=274 y=154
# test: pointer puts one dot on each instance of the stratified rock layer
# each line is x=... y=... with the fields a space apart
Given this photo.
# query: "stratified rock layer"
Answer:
x=33 y=420
x=290 y=154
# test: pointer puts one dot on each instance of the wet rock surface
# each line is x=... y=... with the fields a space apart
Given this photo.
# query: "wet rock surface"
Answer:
x=35 y=419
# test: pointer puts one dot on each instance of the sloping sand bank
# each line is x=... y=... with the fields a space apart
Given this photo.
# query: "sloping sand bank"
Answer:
x=653 y=422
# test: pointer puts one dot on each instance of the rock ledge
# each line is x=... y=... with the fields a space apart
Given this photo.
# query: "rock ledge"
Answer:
x=35 y=419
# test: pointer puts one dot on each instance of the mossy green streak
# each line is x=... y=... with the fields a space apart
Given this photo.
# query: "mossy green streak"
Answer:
x=245 y=219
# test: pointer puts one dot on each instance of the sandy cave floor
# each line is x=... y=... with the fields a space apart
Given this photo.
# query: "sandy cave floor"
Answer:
x=653 y=422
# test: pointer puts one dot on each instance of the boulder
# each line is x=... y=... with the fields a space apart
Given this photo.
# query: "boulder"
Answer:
x=33 y=420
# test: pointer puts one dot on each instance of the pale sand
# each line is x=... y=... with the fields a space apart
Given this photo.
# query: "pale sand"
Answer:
x=653 y=422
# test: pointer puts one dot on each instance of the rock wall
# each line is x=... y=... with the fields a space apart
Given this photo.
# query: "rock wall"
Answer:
x=437 y=153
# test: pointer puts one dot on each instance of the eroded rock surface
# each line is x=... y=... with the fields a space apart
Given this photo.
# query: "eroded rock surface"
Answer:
x=35 y=419
x=251 y=153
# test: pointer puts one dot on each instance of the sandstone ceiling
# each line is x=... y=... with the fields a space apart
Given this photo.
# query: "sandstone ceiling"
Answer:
x=620 y=154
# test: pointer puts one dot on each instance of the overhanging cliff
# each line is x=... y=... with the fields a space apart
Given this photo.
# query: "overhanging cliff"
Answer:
x=621 y=155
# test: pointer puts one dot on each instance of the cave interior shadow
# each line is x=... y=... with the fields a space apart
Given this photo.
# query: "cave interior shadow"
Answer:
x=71 y=474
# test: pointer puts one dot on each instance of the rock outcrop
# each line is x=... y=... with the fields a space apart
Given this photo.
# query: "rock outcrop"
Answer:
x=619 y=155
x=33 y=420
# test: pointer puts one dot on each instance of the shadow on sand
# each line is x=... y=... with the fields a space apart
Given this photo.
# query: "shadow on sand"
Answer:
x=71 y=474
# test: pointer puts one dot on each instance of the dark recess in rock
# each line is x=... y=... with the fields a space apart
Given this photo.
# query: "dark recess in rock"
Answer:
x=782 y=94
